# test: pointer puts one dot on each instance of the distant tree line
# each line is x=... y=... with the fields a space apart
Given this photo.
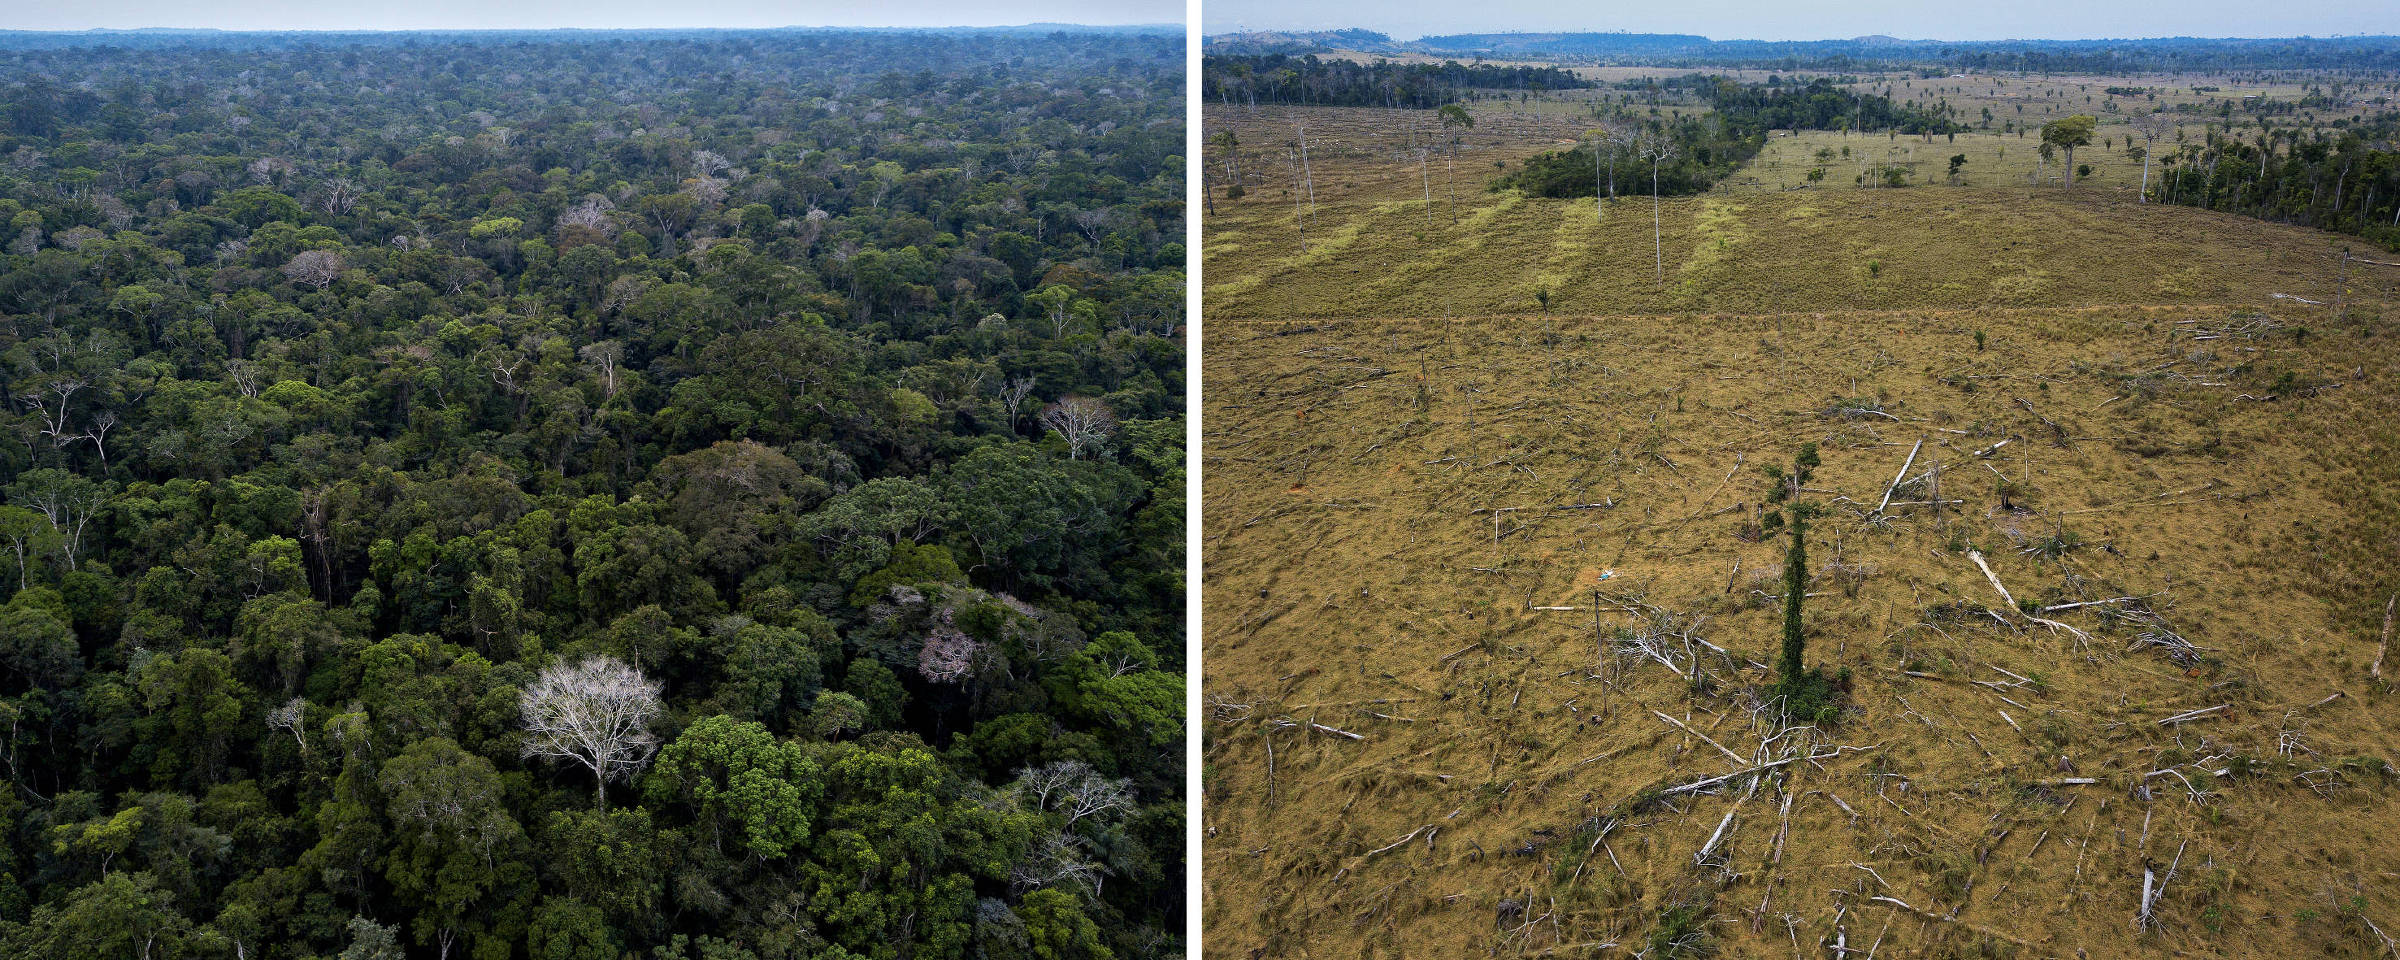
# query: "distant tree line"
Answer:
x=2099 y=57
x=1313 y=81
x=2346 y=179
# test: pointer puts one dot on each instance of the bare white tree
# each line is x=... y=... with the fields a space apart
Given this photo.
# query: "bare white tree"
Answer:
x=604 y=357
x=316 y=268
x=340 y=195
x=270 y=169
x=97 y=433
x=709 y=191
x=245 y=375
x=595 y=712
x=1658 y=147
x=1057 y=860
x=591 y=212
x=1074 y=789
x=1012 y=396
x=1085 y=423
x=1095 y=223
x=709 y=163
x=291 y=718
x=2152 y=127
x=51 y=404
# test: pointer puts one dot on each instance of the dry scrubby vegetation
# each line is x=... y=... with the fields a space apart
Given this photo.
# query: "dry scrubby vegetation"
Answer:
x=1495 y=584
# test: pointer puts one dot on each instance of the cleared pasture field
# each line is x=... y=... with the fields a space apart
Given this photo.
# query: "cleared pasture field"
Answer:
x=1357 y=579
x=1484 y=583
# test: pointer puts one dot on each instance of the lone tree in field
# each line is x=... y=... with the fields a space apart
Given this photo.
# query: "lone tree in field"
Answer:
x=596 y=712
x=1807 y=695
x=2066 y=135
x=1790 y=665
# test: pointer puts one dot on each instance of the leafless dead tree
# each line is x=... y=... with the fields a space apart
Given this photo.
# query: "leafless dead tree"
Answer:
x=1073 y=789
x=1012 y=397
x=2152 y=127
x=604 y=357
x=339 y=196
x=244 y=374
x=291 y=718
x=1084 y=422
x=315 y=268
x=1095 y=223
x=1057 y=860
x=97 y=433
x=595 y=712
x=591 y=213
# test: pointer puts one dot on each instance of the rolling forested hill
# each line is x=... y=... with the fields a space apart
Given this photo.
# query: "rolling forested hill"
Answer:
x=584 y=495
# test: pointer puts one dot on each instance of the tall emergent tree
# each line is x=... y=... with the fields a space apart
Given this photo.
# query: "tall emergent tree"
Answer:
x=595 y=712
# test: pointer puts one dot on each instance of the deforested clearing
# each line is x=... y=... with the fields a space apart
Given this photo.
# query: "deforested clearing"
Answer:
x=2109 y=523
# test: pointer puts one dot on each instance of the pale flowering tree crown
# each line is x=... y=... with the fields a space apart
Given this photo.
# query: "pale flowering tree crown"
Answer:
x=595 y=712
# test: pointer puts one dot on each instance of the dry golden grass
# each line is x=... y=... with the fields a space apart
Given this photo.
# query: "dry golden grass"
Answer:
x=1375 y=247
x=1357 y=445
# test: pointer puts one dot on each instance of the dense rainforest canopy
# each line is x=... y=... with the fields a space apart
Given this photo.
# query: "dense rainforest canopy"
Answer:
x=588 y=496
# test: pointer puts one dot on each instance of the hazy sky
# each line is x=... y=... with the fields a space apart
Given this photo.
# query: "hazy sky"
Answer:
x=1821 y=19
x=519 y=14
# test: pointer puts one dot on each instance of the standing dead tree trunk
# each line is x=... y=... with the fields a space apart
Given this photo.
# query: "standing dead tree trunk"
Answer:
x=1661 y=149
x=1425 y=170
x=1308 y=179
x=1299 y=212
x=2389 y=606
